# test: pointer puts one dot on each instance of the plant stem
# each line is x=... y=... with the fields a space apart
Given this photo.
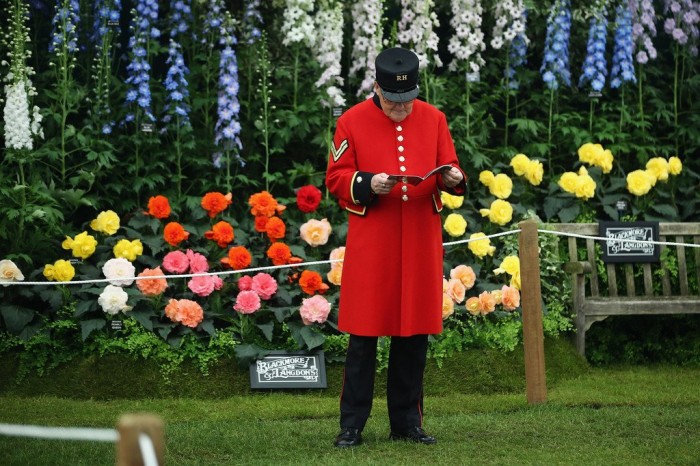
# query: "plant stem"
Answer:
x=590 y=116
x=507 y=80
x=468 y=108
x=622 y=106
x=675 y=98
x=296 y=77
x=641 y=100
x=549 y=131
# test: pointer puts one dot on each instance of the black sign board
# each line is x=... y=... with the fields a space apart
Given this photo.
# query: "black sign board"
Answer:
x=282 y=369
x=630 y=241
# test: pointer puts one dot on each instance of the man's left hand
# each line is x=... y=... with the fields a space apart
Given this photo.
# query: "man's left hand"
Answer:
x=452 y=177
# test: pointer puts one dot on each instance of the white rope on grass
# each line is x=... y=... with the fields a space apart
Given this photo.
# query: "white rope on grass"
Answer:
x=148 y=451
x=61 y=433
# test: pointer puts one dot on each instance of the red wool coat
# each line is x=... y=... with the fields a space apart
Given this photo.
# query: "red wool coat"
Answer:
x=392 y=273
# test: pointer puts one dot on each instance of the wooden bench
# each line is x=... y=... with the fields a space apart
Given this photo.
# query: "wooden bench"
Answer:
x=631 y=289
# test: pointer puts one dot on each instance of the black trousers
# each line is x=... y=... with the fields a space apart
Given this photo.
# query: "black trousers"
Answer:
x=407 y=356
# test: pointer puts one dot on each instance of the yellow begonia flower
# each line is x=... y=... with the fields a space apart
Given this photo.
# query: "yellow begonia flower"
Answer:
x=534 y=172
x=585 y=187
x=455 y=225
x=502 y=186
x=587 y=152
x=481 y=247
x=510 y=265
x=448 y=306
x=83 y=245
x=107 y=222
x=519 y=163
x=129 y=250
x=497 y=296
x=450 y=201
x=639 y=182
x=606 y=161
x=568 y=182
x=60 y=271
x=515 y=280
x=674 y=166
x=652 y=177
x=486 y=177
x=501 y=212
x=658 y=166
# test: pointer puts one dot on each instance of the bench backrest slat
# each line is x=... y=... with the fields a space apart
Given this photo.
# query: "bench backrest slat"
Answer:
x=648 y=280
x=629 y=280
x=612 y=280
x=682 y=269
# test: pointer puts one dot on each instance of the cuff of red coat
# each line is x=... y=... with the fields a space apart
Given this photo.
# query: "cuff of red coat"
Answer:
x=361 y=189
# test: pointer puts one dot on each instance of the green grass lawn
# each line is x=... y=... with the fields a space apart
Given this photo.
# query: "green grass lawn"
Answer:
x=611 y=416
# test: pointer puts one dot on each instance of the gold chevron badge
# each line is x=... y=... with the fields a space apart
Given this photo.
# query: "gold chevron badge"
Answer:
x=337 y=152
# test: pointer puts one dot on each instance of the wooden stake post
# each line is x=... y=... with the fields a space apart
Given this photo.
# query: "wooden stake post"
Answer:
x=531 y=301
x=130 y=427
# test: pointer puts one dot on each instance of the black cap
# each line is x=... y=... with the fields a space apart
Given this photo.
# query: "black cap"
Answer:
x=397 y=74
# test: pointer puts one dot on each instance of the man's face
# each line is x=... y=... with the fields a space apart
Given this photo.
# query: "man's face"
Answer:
x=396 y=111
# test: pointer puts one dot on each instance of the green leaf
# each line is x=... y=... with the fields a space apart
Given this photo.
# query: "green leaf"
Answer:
x=569 y=214
x=312 y=337
x=248 y=353
x=208 y=326
x=90 y=325
x=144 y=318
x=16 y=318
x=267 y=329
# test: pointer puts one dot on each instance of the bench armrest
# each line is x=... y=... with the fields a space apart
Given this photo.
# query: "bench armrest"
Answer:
x=579 y=267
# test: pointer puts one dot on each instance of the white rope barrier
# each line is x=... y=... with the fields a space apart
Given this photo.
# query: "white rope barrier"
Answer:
x=60 y=433
x=331 y=261
x=148 y=451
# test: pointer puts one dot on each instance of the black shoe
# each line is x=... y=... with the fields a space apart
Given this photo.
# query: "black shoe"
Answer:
x=348 y=437
x=413 y=434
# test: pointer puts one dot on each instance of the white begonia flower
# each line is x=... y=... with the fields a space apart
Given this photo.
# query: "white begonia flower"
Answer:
x=9 y=272
x=119 y=271
x=468 y=42
x=113 y=300
x=416 y=30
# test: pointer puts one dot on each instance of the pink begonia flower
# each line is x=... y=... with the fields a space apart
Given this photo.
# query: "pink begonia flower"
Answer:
x=264 y=285
x=176 y=262
x=247 y=302
x=198 y=263
x=456 y=290
x=205 y=285
x=245 y=283
x=510 y=297
x=465 y=274
x=314 y=309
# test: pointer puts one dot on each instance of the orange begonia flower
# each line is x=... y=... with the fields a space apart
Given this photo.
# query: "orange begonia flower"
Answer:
x=275 y=228
x=260 y=223
x=174 y=234
x=279 y=253
x=311 y=282
x=158 y=207
x=221 y=232
x=238 y=258
x=214 y=203
x=262 y=203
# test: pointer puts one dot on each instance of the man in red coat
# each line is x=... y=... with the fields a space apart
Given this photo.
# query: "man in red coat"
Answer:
x=393 y=270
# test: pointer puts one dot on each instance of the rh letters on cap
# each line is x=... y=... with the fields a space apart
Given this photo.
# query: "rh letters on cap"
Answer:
x=402 y=77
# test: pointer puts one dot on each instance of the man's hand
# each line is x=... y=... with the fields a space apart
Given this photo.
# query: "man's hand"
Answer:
x=381 y=184
x=452 y=177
